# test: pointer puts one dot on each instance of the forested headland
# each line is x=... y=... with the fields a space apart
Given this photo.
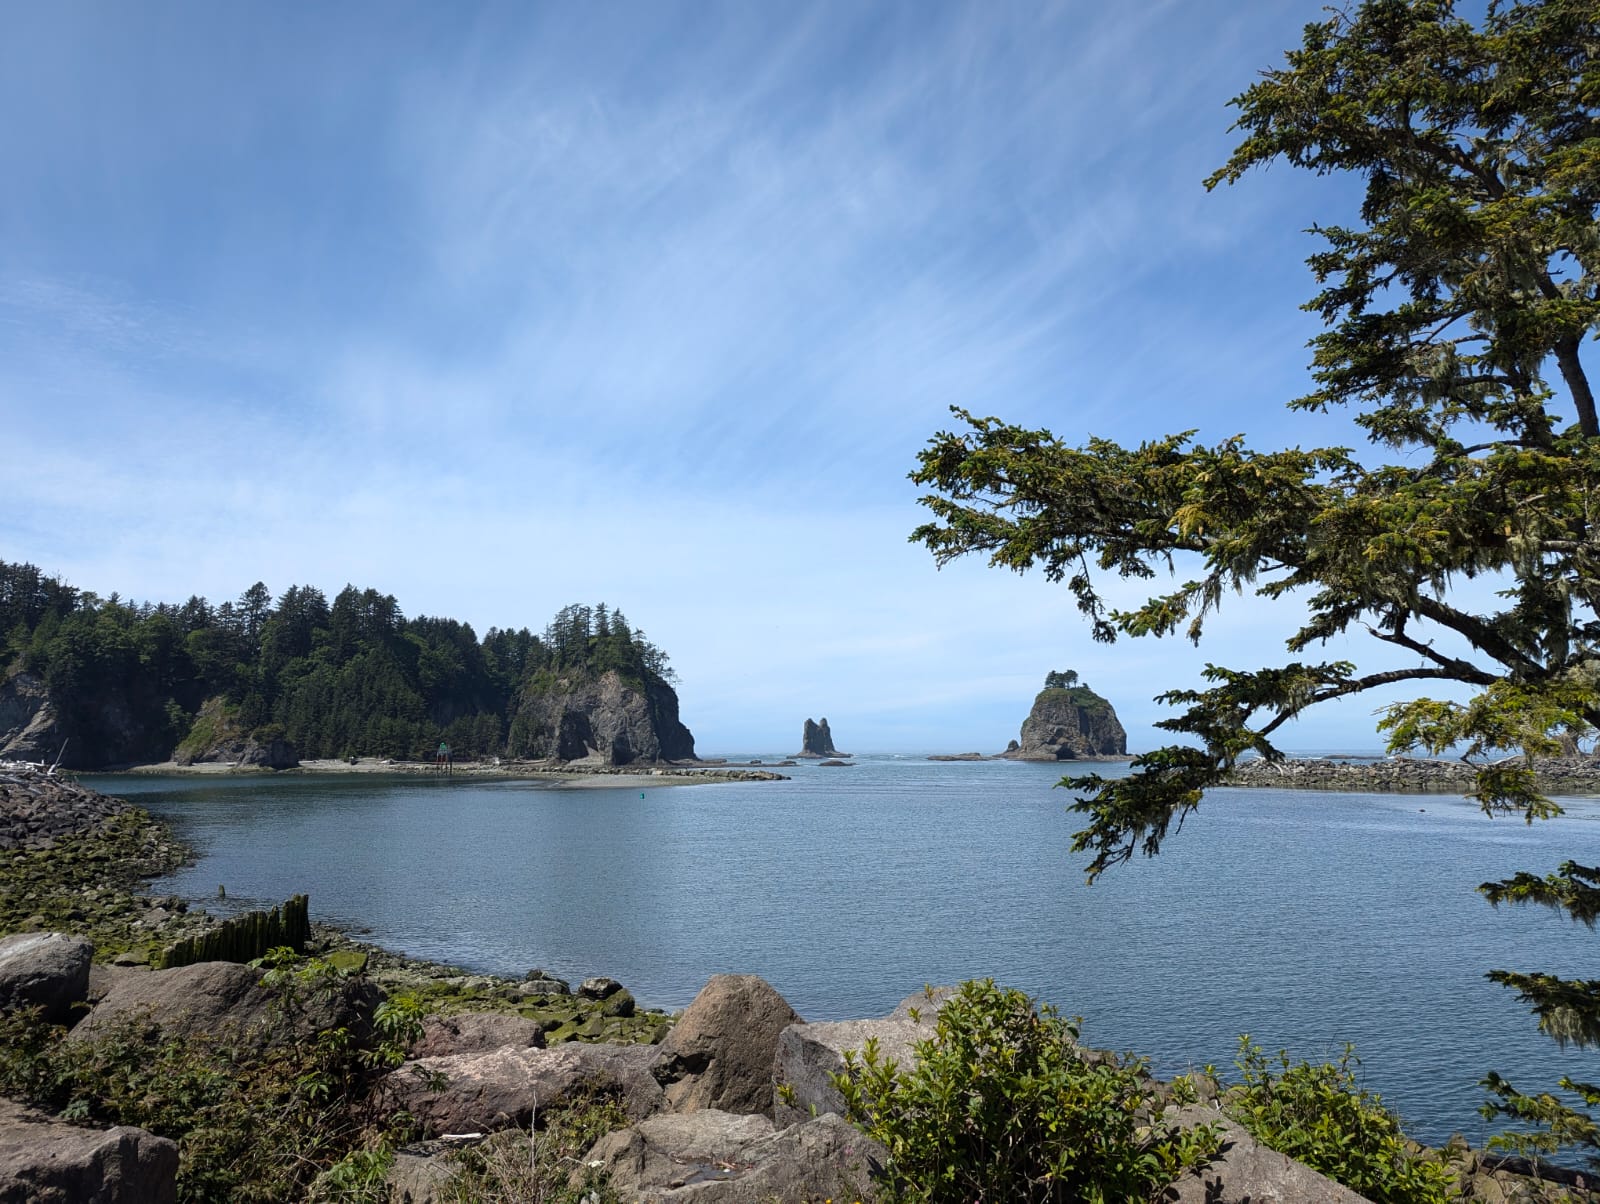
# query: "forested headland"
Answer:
x=136 y=681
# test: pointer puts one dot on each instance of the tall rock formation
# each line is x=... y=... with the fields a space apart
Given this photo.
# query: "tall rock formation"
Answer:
x=1067 y=723
x=817 y=741
x=605 y=718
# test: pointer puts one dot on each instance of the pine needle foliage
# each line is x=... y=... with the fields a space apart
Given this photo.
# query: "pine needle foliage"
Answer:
x=1457 y=308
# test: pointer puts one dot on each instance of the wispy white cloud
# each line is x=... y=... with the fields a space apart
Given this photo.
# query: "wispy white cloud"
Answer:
x=496 y=310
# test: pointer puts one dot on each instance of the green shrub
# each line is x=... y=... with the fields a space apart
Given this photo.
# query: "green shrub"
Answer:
x=1003 y=1105
x=1318 y=1115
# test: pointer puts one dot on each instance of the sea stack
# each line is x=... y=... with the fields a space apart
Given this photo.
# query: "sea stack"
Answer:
x=1068 y=721
x=817 y=741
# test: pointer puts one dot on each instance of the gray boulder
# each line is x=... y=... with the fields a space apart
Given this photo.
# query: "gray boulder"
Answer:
x=499 y=1088
x=538 y=982
x=476 y=1032
x=1247 y=1172
x=269 y=752
x=716 y=1157
x=599 y=988
x=225 y=999
x=47 y=1161
x=809 y=1053
x=720 y=1054
x=414 y=1179
x=48 y=969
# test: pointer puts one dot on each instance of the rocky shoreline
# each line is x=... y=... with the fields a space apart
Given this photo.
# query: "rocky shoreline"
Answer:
x=668 y=773
x=1409 y=775
x=730 y=1102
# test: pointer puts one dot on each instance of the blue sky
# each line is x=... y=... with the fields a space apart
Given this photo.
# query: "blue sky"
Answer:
x=496 y=308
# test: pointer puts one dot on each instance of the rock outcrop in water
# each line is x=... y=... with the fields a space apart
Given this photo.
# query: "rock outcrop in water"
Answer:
x=817 y=741
x=602 y=719
x=1068 y=722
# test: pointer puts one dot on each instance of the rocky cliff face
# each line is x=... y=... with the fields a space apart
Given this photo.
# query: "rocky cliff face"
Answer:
x=117 y=727
x=606 y=719
x=1070 y=723
x=29 y=729
x=817 y=741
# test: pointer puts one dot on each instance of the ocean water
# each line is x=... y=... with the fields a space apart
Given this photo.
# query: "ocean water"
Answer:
x=1304 y=919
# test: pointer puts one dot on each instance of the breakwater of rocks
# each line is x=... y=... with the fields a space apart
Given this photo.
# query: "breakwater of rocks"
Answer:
x=1410 y=775
x=38 y=808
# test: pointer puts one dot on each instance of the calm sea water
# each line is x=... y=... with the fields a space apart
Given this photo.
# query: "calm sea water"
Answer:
x=1304 y=919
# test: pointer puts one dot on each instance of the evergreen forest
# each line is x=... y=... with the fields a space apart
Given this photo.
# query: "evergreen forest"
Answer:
x=354 y=677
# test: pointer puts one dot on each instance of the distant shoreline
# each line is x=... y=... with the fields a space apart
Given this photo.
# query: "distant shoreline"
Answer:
x=571 y=774
x=1564 y=776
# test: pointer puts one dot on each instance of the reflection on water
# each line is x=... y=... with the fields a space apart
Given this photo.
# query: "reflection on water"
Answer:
x=1305 y=919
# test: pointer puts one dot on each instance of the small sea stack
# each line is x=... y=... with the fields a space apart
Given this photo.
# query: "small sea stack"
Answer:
x=816 y=741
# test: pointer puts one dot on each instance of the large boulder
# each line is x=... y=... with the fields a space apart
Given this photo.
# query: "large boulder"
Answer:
x=1247 y=1172
x=500 y=1088
x=224 y=999
x=47 y=1161
x=268 y=750
x=48 y=969
x=716 y=1157
x=809 y=1054
x=476 y=1032
x=720 y=1054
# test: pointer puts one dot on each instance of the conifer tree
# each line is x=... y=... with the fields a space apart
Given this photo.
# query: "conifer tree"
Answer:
x=1457 y=309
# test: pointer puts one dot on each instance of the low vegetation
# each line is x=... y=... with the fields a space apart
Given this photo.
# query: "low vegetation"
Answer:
x=1004 y=1105
x=1321 y=1116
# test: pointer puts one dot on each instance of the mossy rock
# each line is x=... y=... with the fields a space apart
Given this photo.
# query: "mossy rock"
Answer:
x=347 y=961
x=564 y=1032
x=619 y=1003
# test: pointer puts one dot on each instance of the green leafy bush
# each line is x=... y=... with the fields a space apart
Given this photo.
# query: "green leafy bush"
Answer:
x=1003 y=1105
x=1320 y=1116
